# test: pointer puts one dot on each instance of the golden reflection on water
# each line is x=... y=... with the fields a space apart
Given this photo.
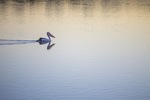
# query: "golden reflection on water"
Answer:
x=102 y=22
x=106 y=23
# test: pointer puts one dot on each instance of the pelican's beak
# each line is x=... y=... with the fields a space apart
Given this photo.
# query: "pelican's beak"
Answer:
x=49 y=34
x=52 y=35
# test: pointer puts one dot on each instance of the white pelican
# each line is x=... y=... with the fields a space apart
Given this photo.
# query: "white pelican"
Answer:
x=45 y=40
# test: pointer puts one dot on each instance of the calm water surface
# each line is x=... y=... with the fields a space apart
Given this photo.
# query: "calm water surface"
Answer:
x=101 y=51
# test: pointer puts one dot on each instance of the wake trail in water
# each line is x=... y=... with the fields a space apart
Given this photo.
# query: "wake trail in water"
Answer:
x=13 y=42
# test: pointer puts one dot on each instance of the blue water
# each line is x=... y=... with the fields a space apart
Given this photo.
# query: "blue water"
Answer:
x=101 y=50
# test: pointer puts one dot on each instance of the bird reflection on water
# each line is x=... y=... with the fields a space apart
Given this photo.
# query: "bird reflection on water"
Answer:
x=41 y=41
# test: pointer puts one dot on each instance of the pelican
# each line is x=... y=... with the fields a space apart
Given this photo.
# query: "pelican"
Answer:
x=45 y=40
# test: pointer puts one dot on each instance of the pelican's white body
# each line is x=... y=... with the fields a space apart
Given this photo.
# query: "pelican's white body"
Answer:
x=45 y=40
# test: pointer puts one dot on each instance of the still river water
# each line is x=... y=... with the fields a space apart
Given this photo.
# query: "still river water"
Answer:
x=101 y=50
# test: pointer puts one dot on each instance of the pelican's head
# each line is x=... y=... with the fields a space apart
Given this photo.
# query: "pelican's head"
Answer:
x=50 y=35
